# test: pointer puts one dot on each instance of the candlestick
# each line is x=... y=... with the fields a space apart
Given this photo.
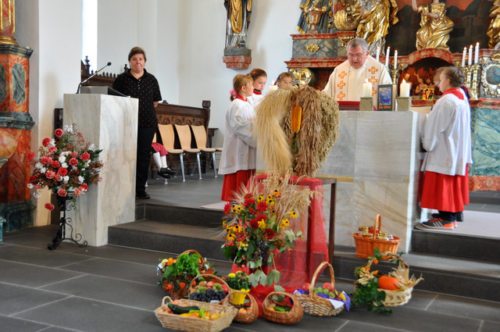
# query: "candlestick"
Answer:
x=387 y=56
x=377 y=54
x=464 y=54
x=404 y=89
x=470 y=55
x=476 y=54
x=396 y=59
x=367 y=89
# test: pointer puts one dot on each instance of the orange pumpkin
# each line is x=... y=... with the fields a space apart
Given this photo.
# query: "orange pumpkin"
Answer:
x=388 y=283
x=296 y=119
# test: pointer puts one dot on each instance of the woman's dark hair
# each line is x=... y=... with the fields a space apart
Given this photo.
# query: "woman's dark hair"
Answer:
x=257 y=72
x=136 y=50
x=455 y=76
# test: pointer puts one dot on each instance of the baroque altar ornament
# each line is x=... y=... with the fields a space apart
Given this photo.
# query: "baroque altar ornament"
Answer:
x=236 y=53
x=67 y=165
x=435 y=26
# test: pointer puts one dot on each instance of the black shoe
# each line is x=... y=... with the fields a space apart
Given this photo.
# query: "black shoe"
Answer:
x=142 y=195
x=164 y=175
x=166 y=170
x=459 y=216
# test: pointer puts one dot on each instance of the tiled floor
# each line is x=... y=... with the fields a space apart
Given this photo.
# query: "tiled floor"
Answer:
x=114 y=289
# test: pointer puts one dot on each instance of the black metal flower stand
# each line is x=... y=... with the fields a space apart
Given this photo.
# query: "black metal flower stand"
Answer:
x=65 y=225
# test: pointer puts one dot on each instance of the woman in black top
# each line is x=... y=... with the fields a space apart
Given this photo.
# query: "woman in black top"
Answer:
x=138 y=83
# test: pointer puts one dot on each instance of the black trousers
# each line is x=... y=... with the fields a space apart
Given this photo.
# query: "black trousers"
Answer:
x=144 y=140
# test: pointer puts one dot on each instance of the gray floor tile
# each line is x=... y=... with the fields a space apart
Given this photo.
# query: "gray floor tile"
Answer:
x=58 y=329
x=32 y=275
x=15 y=299
x=421 y=300
x=118 y=269
x=15 y=324
x=409 y=319
x=86 y=315
x=464 y=307
x=364 y=327
x=490 y=327
x=307 y=324
x=36 y=256
x=132 y=294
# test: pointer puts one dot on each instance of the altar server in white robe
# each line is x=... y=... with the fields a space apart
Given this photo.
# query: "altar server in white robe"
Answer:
x=259 y=77
x=238 y=159
x=447 y=140
x=346 y=81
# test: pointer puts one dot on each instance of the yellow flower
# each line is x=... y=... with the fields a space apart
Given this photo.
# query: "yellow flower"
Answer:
x=164 y=262
x=237 y=228
x=262 y=224
x=242 y=244
x=293 y=214
x=230 y=237
x=285 y=223
x=270 y=200
x=260 y=198
x=231 y=275
x=276 y=193
x=237 y=208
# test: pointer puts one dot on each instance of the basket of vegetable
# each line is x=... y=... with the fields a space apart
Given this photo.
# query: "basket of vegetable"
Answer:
x=282 y=308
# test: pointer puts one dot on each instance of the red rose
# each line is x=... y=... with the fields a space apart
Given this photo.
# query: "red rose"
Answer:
x=46 y=141
x=45 y=160
x=58 y=178
x=52 y=149
x=62 y=192
x=30 y=156
x=49 y=206
x=58 y=132
x=227 y=208
x=249 y=201
x=55 y=164
x=50 y=174
x=84 y=186
x=62 y=171
x=33 y=178
x=77 y=192
x=73 y=162
x=85 y=156
x=74 y=154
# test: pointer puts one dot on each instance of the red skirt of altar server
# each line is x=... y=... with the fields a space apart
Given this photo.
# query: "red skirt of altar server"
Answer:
x=443 y=192
x=159 y=148
x=232 y=183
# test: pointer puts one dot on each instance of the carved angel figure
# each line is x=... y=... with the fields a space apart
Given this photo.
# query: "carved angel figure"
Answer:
x=494 y=27
x=435 y=26
x=376 y=18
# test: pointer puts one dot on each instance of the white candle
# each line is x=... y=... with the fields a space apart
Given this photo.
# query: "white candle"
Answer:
x=476 y=54
x=470 y=55
x=464 y=54
x=404 y=89
x=377 y=55
x=396 y=59
x=387 y=56
x=367 y=89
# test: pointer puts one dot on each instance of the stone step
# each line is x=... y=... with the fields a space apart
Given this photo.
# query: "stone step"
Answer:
x=458 y=246
x=451 y=276
x=179 y=215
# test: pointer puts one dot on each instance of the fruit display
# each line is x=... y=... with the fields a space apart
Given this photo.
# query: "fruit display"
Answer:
x=327 y=291
x=281 y=303
x=208 y=291
x=189 y=311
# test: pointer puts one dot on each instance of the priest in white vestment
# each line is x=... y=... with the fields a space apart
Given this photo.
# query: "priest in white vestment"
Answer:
x=346 y=81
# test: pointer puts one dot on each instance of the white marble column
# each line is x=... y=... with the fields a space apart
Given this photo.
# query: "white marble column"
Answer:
x=110 y=123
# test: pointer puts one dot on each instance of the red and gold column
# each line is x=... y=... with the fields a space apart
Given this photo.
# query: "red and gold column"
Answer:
x=15 y=124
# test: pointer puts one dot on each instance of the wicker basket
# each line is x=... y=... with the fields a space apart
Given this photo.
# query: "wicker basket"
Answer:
x=193 y=324
x=395 y=298
x=252 y=312
x=365 y=245
x=287 y=318
x=315 y=305
x=208 y=277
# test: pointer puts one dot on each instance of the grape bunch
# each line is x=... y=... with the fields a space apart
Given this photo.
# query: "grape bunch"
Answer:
x=208 y=294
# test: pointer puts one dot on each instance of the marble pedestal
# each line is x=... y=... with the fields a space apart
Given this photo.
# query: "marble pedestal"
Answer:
x=110 y=123
x=376 y=163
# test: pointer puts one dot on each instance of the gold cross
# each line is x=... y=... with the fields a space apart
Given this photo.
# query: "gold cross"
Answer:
x=341 y=84
x=343 y=74
x=340 y=96
x=372 y=70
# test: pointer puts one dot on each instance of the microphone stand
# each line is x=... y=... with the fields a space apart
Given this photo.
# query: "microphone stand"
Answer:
x=91 y=76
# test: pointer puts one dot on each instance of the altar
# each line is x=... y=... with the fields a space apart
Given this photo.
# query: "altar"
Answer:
x=376 y=164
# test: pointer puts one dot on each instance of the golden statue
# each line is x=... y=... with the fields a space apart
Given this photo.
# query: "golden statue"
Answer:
x=494 y=27
x=435 y=26
x=238 y=20
x=7 y=22
x=376 y=17
x=315 y=16
x=347 y=18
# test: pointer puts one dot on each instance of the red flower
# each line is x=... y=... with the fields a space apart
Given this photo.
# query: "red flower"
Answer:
x=74 y=154
x=58 y=178
x=254 y=223
x=84 y=186
x=33 y=178
x=49 y=206
x=46 y=141
x=262 y=206
x=45 y=160
x=227 y=207
x=249 y=201
x=62 y=171
x=269 y=233
x=62 y=192
x=50 y=174
x=73 y=162
x=52 y=149
x=58 y=132
x=55 y=164
x=85 y=156
x=77 y=192
x=30 y=156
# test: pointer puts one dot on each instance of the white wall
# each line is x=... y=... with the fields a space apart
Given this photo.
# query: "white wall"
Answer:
x=54 y=31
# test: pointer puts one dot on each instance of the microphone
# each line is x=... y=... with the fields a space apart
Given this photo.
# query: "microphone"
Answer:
x=91 y=76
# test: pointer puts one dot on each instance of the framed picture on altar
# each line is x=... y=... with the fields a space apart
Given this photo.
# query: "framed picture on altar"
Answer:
x=384 y=97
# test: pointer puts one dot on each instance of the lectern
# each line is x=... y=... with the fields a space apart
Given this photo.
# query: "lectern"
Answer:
x=109 y=122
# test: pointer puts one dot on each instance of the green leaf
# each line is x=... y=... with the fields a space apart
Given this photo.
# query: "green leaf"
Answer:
x=273 y=277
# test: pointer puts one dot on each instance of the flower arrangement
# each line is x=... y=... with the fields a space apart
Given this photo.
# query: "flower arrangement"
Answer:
x=238 y=280
x=68 y=164
x=260 y=224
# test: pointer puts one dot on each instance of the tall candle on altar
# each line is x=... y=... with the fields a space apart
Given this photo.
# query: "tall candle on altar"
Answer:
x=464 y=54
x=396 y=59
x=470 y=55
x=404 y=89
x=387 y=56
x=377 y=55
x=367 y=89
x=476 y=54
